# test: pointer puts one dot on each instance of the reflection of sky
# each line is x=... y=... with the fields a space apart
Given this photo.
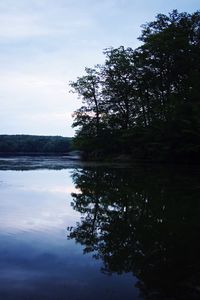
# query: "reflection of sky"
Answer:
x=37 y=261
x=36 y=200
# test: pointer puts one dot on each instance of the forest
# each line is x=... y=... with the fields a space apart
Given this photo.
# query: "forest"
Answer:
x=144 y=103
x=25 y=144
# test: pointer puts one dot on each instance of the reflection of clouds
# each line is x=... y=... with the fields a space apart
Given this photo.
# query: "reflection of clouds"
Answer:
x=36 y=201
x=52 y=219
x=4 y=185
x=54 y=189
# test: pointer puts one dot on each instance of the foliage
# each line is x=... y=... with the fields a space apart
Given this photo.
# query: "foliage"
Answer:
x=34 y=144
x=145 y=102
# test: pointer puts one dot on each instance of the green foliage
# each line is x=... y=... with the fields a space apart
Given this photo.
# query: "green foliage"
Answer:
x=145 y=101
x=34 y=144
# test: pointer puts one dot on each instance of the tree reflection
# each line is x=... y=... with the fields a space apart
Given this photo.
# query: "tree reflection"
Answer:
x=145 y=222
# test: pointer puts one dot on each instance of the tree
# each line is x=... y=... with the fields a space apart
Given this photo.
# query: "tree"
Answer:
x=145 y=101
x=119 y=87
x=88 y=116
x=171 y=44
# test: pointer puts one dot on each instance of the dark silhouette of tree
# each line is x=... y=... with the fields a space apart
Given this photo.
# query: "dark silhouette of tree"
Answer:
x=88 y=117
x=145 y=101
x=118 y=87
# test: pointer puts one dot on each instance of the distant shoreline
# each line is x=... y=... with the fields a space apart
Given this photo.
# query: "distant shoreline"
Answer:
x=2 y=154
x=34 y=145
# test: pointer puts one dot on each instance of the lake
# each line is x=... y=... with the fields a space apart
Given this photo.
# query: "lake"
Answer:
x=72 y=230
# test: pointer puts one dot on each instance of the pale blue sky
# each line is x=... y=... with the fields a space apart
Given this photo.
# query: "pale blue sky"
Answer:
x=46 y=43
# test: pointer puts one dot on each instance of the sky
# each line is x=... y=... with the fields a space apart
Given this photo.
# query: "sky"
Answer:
x=45 y=44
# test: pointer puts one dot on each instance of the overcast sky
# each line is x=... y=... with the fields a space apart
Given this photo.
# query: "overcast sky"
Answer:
x=46 y=43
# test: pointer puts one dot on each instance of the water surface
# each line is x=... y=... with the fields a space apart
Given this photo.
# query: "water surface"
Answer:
x=82 y=231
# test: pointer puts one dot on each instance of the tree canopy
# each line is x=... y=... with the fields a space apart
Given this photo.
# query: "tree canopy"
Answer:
x=145 y=101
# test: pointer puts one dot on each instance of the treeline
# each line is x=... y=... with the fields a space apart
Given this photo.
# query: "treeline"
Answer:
x=17 y=144
x=145 y=103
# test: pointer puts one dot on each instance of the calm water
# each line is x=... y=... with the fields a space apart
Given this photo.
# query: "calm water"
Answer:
x=78 y=231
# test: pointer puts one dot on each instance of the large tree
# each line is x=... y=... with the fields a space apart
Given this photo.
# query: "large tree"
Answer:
x=146 y=101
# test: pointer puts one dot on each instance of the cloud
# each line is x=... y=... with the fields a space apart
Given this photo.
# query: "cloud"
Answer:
x=30 y=26
x=20 y=26
x=40 y=20
x=55 y=189
x=46 y=43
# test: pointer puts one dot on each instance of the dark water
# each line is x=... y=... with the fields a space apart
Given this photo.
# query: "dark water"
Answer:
x=92 y=231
